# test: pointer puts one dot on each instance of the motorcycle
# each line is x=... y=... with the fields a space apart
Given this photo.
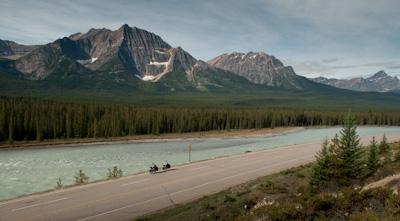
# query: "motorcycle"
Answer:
x=153 y=169
x=165 y=167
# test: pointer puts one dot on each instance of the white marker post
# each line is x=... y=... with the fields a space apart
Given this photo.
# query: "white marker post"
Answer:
x=190 y=150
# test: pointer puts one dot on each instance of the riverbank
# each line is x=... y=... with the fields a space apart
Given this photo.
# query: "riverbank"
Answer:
x=220 y=134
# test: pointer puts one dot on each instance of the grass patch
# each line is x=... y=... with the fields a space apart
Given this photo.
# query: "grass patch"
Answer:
x=240 y=200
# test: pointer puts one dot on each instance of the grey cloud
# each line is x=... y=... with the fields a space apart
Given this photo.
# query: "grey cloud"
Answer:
x=315 y=36
x=394 y=65
x=332 y=60
x=331 y=70
x=390 y=65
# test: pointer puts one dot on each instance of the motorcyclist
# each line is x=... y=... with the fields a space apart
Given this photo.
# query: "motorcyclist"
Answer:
x=166 y=165
x=154 y=166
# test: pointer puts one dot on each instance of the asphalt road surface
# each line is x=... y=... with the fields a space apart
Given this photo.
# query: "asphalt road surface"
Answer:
x=132 y=196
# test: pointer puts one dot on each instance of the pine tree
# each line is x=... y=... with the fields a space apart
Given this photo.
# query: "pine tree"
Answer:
x=334 y=151
x=384 y=146
x=321 y=171
x=11 y=129
x=3 y=117
x=350 y=152
x=373 y=161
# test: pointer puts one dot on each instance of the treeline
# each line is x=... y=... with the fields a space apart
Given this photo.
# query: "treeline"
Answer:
x=37 y=119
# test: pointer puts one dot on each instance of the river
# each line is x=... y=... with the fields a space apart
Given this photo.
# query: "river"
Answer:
x=27 y=171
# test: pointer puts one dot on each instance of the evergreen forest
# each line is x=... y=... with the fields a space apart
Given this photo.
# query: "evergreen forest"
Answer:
x=26 y=118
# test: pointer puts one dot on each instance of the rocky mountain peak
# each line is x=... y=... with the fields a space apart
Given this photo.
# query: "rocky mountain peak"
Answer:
x=259 y=68
x=379 y=75
x=130 y=49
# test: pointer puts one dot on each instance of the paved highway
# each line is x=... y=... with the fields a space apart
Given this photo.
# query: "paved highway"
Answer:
x=136 y=195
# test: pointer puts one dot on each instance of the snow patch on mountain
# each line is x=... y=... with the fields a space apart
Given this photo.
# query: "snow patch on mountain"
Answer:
x=159 y=52
x=159 y=63
x=148 y=78
x=88 y=61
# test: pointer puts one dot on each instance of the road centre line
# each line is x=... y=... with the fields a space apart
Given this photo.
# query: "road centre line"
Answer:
x=137 y=190
x=38 y=204
x=148 y=188
x=155 y=186
x=126 y=184
x=241 y=159
x=261 y=168
x=65 y=190
x=198 y=168
x=204 y=184
x=117 y=180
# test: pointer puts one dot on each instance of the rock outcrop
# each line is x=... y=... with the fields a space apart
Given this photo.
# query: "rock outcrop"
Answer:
x=12 y=50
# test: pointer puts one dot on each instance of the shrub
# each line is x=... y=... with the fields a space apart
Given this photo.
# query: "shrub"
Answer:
x=228 y=199
x=393 y=207
x=269 y=184
x=80 y=177
x=288 y=171
x=207 y=206
x=384 y=171
x=240 y=193
x=397 y=157
x=281 y=212
x=114 y=173
x=59 y=184
x=301 y=189
x=358 y=216
x=300 y=175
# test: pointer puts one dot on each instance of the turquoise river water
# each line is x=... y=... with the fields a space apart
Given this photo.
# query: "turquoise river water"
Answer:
x=27 y=171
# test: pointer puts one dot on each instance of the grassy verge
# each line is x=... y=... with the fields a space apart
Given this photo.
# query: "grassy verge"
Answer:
x=285 y=196
x=240 y=200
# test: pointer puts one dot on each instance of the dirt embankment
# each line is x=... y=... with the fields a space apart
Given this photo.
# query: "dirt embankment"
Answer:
x=392 y=181
x=266 y=132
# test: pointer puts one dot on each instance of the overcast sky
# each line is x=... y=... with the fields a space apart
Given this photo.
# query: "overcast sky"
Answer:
x=334 y=39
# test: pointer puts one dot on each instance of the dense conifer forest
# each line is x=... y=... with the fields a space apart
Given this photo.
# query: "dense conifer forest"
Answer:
x=24 y=118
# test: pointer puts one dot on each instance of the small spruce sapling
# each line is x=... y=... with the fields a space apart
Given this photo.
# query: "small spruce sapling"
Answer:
x=80 y=177
x=114 y=173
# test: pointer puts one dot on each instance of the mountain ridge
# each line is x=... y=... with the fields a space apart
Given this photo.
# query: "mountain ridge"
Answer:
x=379 y=82
x=123 y=56
x=134 y=65
x=138 y=51
x=261 y=68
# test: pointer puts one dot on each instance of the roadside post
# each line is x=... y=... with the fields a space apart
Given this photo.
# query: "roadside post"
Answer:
x=190 y=150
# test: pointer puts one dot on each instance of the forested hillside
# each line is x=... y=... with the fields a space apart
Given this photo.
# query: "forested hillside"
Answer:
x=38 y=119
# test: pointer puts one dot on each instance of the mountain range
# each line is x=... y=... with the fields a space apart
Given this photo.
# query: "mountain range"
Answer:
x=130 y=51
x=380 y=82
x=129 y=62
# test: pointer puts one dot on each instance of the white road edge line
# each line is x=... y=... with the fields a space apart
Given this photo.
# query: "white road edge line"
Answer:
x=126 y=184
x=262 y=168
x=198 y=168
x=15 y=200
x=111 y=211
x=38 y=204
x=204 y=184
x=9 y=201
